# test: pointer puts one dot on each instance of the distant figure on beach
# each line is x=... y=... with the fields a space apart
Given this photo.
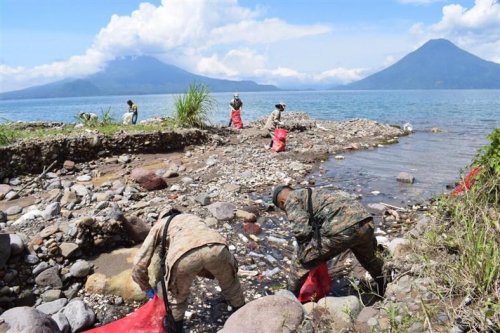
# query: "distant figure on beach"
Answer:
x=86 y=116
x=274 y=120
x=130 y=117
x=235 y=114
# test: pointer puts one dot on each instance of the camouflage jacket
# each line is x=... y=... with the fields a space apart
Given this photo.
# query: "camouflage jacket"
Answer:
x=185 y=232
x=335 y=211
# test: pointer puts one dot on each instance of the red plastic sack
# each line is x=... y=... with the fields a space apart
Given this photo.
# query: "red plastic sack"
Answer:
x=279 y=140
x=317 y=285
x=467 y=183
x=236 y=118
x=146 y=319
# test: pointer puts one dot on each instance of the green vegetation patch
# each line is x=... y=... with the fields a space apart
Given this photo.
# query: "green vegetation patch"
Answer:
x=465 y=242
x=194 y=107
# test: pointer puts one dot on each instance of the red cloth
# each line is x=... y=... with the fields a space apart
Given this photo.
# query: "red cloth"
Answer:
x=279 y=140
x=146 y=319
x=467 y=183
x=317 y=285
x=236 y=118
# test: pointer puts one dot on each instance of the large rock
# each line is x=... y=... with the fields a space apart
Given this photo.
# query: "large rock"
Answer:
x=16 y=244
x=136 y=228
x=49 y=278
x=52 y=307
x=62 y=322
x=344 y=308
x=68 y=250
x=52 y=210
x=112 y=275
x=4 y=189
x=79 y=315
x=405 y=177
x=148 y=179
x=81 y=268
x=27 y=320
x=222 y=211
x=4 y=249
x=269 y=314
x=13 y=210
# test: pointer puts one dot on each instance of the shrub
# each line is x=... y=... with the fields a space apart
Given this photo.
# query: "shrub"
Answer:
x=7 y=135
x=194 y=107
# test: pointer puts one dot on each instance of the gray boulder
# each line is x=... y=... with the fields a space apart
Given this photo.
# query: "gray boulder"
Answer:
x=269 y=314
x=405 y=177
x=52 y=210
x=14 y=210
x=52 y=307
x=344 y=308
x=79 y=315
x=62 y=322
x=27 y=320
x=81 y=268
x=49 y=277
x=203 y=199
x=222 y=211
x=16 y=244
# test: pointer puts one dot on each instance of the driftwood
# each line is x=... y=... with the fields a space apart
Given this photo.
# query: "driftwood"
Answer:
x=45 y=170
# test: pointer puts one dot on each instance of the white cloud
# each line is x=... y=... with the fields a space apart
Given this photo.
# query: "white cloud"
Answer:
x=341 y=75
x=476 y=29
x=182 y=32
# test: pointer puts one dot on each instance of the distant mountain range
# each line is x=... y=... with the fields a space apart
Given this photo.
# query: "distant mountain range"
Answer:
x=133 y=76
x=438 y=64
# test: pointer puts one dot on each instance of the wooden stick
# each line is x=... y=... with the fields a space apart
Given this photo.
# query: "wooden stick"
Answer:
x=37 y=178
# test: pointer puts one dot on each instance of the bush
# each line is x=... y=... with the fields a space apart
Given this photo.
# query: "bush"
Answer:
x=466 y=243
x=194 y=107
x=7 y=135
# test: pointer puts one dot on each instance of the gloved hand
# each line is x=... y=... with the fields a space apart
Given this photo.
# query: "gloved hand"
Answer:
x=150 y=293
x=281 y=124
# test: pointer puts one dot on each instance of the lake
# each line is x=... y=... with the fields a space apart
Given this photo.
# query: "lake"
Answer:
x=465 y=116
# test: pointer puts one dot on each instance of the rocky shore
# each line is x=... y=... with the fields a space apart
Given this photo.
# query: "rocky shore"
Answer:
x=73 y=232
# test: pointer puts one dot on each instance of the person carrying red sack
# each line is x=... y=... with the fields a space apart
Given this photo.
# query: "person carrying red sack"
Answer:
x=326 y=224
x=274 y=121
x=235 y=114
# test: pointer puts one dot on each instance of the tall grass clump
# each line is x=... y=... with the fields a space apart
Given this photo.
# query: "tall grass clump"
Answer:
x=7 y=135
x=466 y=243
x=194 y=107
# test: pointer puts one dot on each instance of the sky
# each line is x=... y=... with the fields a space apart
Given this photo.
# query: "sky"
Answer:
x=289 y=43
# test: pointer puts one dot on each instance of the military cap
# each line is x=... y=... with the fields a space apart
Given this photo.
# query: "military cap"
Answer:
x=277 y=191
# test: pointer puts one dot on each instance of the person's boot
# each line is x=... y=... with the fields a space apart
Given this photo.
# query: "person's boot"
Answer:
x=178 y=326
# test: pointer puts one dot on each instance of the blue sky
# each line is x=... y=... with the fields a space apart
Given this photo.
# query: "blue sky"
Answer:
x=289 y=43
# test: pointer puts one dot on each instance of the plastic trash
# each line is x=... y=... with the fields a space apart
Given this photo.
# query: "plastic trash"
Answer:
x=271 y=272
x=150 y=293
x=407 y=127
x=467 y=183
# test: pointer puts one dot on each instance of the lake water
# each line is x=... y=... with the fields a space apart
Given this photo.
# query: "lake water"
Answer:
x=465 y=116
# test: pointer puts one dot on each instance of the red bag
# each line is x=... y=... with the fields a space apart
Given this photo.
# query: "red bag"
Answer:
x=236 y=118
x=317 y=285
x=146 y=319
x=467 y=183
x=279 y=140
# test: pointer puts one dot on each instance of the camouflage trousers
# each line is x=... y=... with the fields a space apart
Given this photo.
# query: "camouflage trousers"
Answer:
x=360 y=239
x=213 y=261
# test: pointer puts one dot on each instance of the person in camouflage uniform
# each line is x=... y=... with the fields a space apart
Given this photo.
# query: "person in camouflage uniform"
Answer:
x=193 y=250
x=344 y=225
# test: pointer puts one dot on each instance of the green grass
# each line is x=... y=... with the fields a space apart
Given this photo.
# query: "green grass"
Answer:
x=106 y=125
x=194 y=107
x=466 y=243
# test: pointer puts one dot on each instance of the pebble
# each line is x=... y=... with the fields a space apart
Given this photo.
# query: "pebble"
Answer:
x=13 y=210
x=84 y=178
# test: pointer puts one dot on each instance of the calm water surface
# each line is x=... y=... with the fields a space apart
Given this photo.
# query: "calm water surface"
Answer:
x=465 y=116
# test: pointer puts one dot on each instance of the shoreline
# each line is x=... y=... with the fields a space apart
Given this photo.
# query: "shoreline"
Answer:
x=233 y=167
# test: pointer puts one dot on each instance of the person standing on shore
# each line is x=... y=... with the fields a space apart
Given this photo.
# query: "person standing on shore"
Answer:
x=130 y=117
x=235 y=113
x=325 y=224
x=191 y=249
x=274 y=120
